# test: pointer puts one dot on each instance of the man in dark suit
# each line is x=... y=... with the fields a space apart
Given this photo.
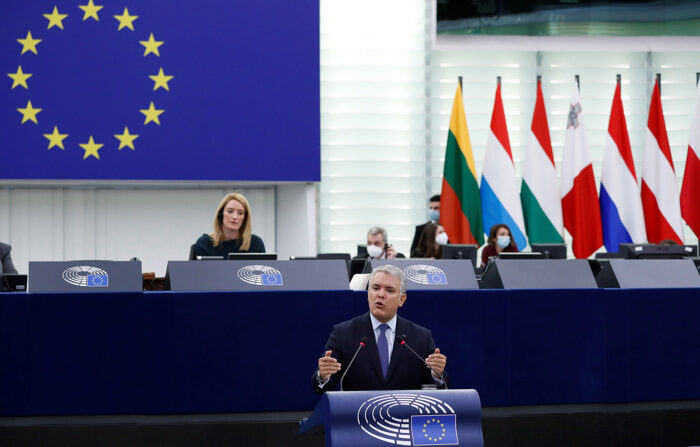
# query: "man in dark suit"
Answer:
x=383 y=363
x=378 y=246
x=6 y=266
x=433 y=215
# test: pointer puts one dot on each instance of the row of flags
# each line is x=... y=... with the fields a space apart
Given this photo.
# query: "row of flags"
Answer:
x=623 y=212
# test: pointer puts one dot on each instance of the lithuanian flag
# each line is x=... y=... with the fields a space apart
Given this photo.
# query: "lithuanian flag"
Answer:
x=460 y=203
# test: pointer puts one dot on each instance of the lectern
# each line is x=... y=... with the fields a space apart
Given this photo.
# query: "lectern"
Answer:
x=410 y=418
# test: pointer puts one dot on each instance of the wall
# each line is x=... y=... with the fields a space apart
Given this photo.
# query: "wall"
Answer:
x=153 y=223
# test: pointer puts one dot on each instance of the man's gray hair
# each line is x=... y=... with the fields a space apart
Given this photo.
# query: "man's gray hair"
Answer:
x=393 y=271
x=378 y=230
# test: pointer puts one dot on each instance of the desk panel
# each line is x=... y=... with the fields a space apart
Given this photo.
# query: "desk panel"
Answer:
x=166 y=352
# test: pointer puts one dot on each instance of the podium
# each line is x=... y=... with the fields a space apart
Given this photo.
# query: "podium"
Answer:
x=410 y=418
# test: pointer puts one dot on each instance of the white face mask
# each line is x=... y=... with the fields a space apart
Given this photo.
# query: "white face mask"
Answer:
x=373 y=251
x=503 y=241
x=441 y=239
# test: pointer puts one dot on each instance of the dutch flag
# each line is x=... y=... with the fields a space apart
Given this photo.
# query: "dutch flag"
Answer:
x=620 y=203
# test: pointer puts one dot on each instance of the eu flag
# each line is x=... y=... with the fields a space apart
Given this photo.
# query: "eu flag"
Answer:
x=97 y=280
x=272 y=279
x=437 y=278
x=160 y=90
x=434 y=429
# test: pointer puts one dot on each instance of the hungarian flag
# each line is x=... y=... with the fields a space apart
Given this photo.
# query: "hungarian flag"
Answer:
x=539 y=192
x=579 y=195
x=460 y=204
x=690 y=205
x=500 y=203
x=620 y=205
x=662 y=211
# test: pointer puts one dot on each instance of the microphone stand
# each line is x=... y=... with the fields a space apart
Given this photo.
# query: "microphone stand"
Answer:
x=403 y=343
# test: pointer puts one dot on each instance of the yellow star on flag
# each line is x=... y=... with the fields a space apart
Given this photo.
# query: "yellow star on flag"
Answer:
x=126 y=139
x=90 y=11
x=161 y=80
x=55 y=138
x=20 y=78
x=29 y=43
x=125 y=20
x=29 y=113
x=91 y=148
x=151 y=45
x=55 y=18
x=152 y=114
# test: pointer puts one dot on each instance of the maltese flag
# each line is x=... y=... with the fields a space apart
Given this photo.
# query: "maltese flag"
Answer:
x=579 y=197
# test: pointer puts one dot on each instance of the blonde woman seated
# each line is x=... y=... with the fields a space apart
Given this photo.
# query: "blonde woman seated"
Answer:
x=233 y=230
x=430 y=242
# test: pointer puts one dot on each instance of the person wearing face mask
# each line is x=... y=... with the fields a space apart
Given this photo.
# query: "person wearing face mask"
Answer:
x=433 y=215
x=233 y=230
x=430 y=243
x=378 y=247
x=500 y=240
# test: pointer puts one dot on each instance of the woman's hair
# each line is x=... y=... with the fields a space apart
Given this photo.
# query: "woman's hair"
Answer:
x=494 y=232
x=246 y=229
x=426 y=247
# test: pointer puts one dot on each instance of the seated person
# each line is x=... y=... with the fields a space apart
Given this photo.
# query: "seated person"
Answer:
x=377 y=246
x=6 y=265
x=383 y=364
x=233 y=229
x=499 y=240
x=433 y=215
x=430 y=243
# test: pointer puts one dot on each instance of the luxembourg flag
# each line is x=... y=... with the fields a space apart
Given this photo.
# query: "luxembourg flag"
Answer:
x=662 y=211
x=579 y=197
x=500 y=202
x=690 y=203
x=620 y=204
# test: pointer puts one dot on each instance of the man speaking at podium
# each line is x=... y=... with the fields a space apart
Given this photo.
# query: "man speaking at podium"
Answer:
x=380 y=342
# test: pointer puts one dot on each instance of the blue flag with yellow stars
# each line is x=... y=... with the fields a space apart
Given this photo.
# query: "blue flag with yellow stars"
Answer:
x=160 y=90
x=434 y=429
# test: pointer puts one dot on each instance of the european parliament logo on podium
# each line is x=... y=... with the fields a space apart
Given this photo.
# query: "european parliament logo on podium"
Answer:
x=425 y=274
x=260 y=275
x=409 y=419
x=404 y=418
x=86 y=276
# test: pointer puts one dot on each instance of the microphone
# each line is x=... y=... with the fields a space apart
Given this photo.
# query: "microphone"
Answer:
x=363 y=340
x=403 y=343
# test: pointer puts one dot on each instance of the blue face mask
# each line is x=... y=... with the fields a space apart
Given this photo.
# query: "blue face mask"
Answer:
x=434 y=215
x=503 y=241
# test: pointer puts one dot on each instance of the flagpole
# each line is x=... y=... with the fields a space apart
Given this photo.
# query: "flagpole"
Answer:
x=658 y=82
x=578 y=83
x=498 y=80
x=539 y=79
x=619 y=78
x=697 y=78
x=459 y=79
